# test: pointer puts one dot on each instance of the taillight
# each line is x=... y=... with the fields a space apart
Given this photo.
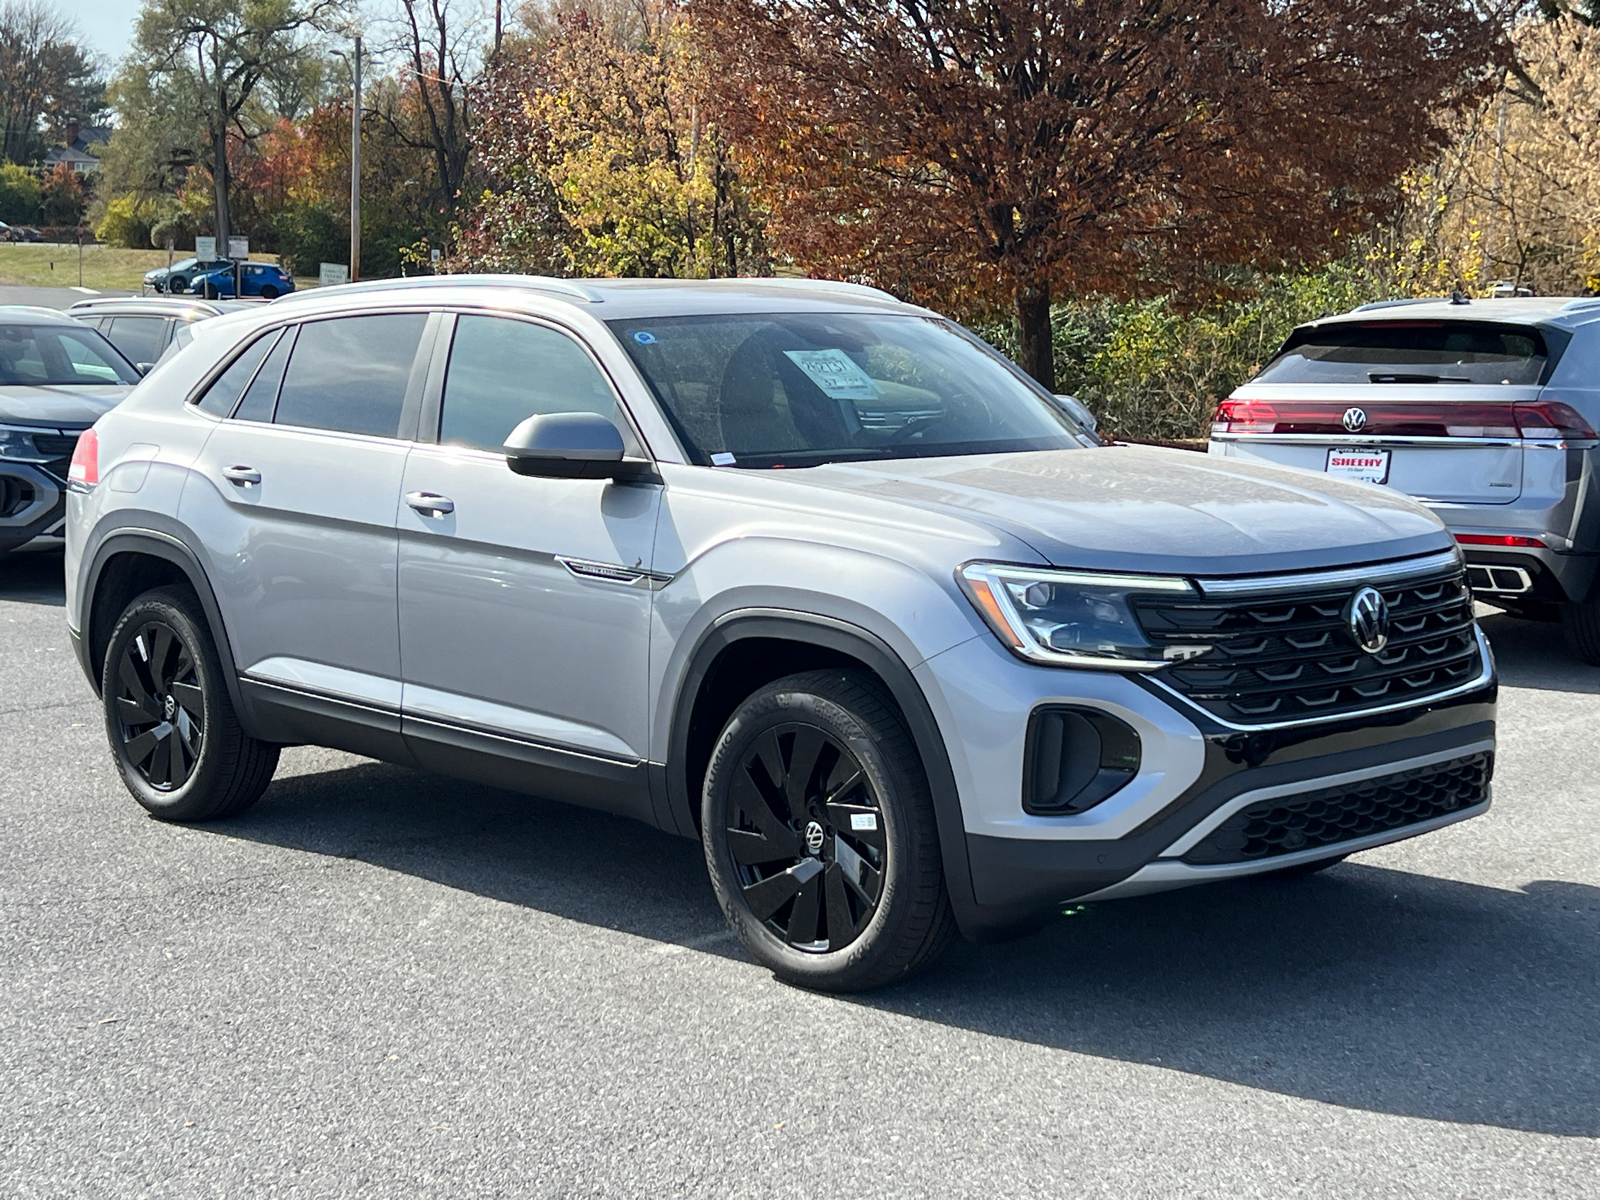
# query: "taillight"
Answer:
x=1552 y=421
x=1500 y=539
x=84 y=472
x=1539 y=420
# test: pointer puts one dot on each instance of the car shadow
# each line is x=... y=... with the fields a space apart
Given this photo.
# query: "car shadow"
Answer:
x=1365 y=987
x=1534 y=654
x=33 y=578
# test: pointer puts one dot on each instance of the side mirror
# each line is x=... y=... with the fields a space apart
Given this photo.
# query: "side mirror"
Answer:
x=571 y=445
x=144 y=368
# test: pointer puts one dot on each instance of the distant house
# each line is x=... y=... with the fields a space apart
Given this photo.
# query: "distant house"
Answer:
x=76 y=153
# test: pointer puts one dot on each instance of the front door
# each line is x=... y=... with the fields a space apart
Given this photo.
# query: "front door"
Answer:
x=294 y=499
x=524 y=603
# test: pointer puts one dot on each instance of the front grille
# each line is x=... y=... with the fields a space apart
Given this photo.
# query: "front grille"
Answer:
x=1291 y=655
x=1333 y=815
x=56 y=445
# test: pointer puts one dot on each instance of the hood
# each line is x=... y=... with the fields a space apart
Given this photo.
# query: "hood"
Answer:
x=63 y=405
x=1148 y=509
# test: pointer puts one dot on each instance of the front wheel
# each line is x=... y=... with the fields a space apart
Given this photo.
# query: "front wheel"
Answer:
x=178 y=286
x=174 y=735
x=819 y=835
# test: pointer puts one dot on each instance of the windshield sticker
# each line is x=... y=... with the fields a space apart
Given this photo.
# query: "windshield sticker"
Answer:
x=722 y=459
x=836 y=373
x=645 y=338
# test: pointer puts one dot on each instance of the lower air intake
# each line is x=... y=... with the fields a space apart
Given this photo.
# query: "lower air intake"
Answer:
x=1333 y=815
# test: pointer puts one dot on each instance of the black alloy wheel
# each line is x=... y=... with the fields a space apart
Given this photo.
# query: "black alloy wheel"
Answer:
x=806 y=834
x=176 y=740
x=160 y=706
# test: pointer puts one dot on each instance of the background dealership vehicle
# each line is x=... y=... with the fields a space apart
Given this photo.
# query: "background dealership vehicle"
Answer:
x=146 y=327
x=176 y=278
x=266 y=280
x=789 y=567
x=56 y=378
x=1485 y=411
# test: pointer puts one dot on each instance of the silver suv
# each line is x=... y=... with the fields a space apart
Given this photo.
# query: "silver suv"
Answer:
x=788 y=567
x=1485 y=411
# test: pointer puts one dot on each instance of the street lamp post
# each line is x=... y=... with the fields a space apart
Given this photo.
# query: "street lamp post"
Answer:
x=354 y=60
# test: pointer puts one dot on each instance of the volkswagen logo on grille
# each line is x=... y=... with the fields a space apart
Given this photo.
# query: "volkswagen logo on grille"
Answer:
x=1355 y=420
x=1368 y=616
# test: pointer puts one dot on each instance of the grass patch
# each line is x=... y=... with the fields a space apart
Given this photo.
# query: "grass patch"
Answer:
x=104 y=267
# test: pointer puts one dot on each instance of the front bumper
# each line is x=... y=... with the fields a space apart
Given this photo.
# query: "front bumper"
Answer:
x=34 y=511
x=1196 y=775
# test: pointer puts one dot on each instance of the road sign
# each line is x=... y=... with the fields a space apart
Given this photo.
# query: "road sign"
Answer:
x=205 y=249
x=238 y=248
x=333 y=273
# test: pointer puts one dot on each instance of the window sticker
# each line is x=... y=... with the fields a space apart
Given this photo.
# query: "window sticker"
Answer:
x=836 y=373
x=722 y=459
x=645 y=338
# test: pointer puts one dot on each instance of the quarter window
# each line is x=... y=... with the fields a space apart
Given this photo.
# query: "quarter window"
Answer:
x=262 y=395
x=140 y=338
x=350 y=374
x=504 y=371
x=224 y=391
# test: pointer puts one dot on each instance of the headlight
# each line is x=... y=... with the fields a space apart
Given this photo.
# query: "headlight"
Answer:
x=16 y=445
x=1072 y=618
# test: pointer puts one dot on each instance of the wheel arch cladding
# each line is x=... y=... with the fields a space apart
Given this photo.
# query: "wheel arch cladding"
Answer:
x=127 y=565
x=743 y=652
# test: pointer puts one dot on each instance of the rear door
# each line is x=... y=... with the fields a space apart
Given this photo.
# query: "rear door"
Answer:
x=140 y=338
x=295 y=502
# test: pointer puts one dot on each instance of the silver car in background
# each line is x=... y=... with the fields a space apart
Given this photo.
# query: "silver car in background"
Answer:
x=788 y=567
x=1485 y=411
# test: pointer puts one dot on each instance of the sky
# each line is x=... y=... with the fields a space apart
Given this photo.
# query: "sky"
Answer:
x=107 y=24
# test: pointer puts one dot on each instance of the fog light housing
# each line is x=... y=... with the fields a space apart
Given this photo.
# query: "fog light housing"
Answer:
x=1074 y=759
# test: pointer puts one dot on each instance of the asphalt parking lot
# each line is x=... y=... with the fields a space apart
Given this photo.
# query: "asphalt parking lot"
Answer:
x=378 y=983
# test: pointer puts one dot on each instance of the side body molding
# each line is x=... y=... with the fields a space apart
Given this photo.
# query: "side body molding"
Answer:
x=858 y=643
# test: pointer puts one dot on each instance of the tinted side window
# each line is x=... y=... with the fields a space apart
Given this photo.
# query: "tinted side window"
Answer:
x=262 y=394
x=502 y=372
x=350 y=374
x=139 y=338
x=225 y=389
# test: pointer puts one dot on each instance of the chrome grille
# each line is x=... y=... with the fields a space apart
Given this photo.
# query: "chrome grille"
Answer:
x=1288 y=654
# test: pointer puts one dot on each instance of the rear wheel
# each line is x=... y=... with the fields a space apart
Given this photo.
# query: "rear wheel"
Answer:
x=1580 y=623
x=819 y=835
x=268 y=292
x=174 y=735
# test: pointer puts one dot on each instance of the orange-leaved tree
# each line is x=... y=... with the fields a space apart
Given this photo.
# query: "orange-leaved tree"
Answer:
x=1007 y=151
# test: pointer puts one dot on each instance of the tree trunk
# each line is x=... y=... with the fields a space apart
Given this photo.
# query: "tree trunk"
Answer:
x=219 y=180
x=1035 y=353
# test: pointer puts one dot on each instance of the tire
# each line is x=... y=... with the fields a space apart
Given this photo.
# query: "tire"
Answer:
x=820 y=904
x=268 y=292
x=208 y=290
x=174 y=734
x=176 y=287
x=1580 y=624
x=1302 y=870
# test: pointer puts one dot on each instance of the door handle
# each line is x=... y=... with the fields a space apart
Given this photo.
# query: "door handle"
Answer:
x=431 y=504
x=243 y=476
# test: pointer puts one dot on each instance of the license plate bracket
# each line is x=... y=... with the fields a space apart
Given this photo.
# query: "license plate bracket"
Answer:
x=1368 y=466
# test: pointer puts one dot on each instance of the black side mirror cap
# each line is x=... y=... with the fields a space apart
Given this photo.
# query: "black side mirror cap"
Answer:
x=572 y=445
x=144 y=368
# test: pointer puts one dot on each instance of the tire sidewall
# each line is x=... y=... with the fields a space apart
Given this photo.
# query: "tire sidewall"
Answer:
x=770 y=708
x=195 y=799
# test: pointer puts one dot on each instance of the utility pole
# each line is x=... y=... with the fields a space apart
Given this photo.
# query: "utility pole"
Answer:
x=354 y=59
x=355 y=170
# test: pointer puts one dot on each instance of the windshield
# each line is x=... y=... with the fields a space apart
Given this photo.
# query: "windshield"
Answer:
x=44 y=355
x=1410 y=352
x=796 y=390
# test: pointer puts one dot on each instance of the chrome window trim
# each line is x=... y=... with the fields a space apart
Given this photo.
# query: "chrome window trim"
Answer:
x=1367 y=439
x=1261 y=585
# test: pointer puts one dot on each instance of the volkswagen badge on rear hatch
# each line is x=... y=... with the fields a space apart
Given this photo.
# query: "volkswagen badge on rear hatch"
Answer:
x=1368 y=616
x=1355 y=420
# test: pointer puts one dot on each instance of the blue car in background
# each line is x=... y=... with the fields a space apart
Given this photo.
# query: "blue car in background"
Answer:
x=267 y=280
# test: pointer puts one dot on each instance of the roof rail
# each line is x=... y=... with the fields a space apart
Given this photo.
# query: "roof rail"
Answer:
x=1581 y=303
x=536 y=283
x=820 y=285
x=1398 y=303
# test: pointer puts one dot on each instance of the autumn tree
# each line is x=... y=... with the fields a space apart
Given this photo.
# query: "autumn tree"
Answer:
x=1011 y=151
x=47 y=78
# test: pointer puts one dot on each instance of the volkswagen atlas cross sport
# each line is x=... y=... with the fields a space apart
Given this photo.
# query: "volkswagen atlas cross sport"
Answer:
x=56 y=378
x=789 y=567
x=1484 y=410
